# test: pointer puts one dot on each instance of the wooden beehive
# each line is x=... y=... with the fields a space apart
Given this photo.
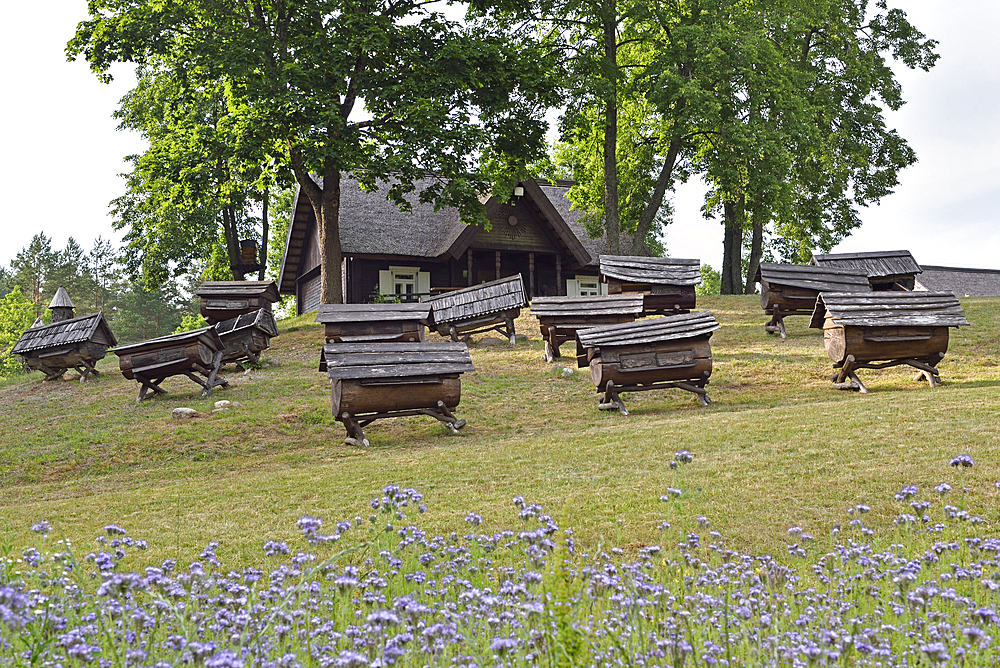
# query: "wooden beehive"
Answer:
x=384 y=323
x=245 y=337
x=886 y=270
x=371 y=381
x=224 y=300
x=667 y=284
x=77 y=343
x=790 y=289
x=668 y=352
x=196 y=354
x=559 y=318
x=477 y=309
x=884 y=329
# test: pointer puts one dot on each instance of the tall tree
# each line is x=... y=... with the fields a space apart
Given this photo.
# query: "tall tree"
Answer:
x=31 y=266
x=384 y=89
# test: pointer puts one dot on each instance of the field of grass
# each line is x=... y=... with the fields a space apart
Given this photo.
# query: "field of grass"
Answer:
x=777 y=447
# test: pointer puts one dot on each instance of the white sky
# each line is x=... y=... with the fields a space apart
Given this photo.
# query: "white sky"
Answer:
x=63 y=154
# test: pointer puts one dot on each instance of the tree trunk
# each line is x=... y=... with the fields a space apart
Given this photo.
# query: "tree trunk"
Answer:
x=732 y=246
x=328 y=218
x=757 y=216
x=612 y=223
x=230 y=235
x=656 y=198
x=263 y=236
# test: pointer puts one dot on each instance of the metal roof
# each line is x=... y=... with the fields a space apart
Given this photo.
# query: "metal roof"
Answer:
x=75 y=330
x=684 y=326
x=889 y=309
x=659 y=270
x=876 y=264
x=810 y=277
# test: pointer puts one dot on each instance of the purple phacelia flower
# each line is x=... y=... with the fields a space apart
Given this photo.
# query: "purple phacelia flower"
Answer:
x=907 y=492
x=42 y=527
x=114 y=529
x=684 y=457
x=308 y=525
x=965 y=461
x=503 y=645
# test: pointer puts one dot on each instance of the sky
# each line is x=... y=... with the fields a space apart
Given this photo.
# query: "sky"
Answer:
x=63 y=154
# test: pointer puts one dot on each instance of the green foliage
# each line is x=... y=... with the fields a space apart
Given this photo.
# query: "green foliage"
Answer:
x=30 y=268
x=281 y=219
x=16 y=315
x=191 y=322
x=142 y=313
x=711 y=281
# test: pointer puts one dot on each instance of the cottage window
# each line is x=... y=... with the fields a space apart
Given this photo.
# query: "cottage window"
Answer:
x=585 y=286
x=404 y=282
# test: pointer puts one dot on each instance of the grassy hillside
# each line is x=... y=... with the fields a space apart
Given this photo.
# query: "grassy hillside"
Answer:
x=777 y=447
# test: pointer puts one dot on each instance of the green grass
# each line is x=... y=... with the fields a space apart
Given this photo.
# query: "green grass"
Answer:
x=777 y=447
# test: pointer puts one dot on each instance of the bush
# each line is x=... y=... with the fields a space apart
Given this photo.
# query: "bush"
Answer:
x=17 y=313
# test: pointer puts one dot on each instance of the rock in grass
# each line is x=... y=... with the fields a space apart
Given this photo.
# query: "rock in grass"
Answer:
x=222 y=404
x=491 y=342
x=184 y=413
x=520 y=338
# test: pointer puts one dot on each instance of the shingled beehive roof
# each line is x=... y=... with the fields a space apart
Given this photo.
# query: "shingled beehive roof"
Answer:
x=658 y=270
x=877 y=264
x=239 y=289
x=684 y=326
x=811 y=277
x=373 y=312
x=395 y=360
x=261 y=318
x=627 y=304
x=207 y=335
x=75 y=330
x=889 y=309
x=502 y=294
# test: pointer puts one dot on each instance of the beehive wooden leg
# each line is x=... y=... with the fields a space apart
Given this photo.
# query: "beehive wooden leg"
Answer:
x=612 y=400
x=549 y=354
x=453 y=421
x=147 y=385
x=453 y=332
x=698 y=392
x=50 y=373
x=355 y=434
x=781 y=324
x=846 y=379
x=859 y=386
x=510 y=330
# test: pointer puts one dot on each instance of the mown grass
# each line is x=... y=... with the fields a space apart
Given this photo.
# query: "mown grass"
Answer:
x=777 y=447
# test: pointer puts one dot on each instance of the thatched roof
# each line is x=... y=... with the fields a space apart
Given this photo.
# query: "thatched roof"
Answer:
x=877 y=264
x=372 y=225
x=889 y=309
x=75 y=330
x=961 y=282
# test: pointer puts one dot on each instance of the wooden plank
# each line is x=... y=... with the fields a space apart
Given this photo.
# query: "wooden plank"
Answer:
x=376 y=358
x=396 y=370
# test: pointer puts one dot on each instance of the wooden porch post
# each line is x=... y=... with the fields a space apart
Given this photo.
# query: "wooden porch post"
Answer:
x=468 y=260
x=531 y=274
x=559 y=285
x=498 y=265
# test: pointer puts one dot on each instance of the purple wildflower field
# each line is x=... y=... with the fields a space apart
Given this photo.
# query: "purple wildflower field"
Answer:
x=376 y=590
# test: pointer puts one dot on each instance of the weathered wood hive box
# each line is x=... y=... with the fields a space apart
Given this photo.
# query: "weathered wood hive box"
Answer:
x=224 y=300
x=886 y=270
x=385 y=323
x=480 y=308
x=559 y=318
x=669 y=352
x=245 y=337
x=883 y=329
x=667 y=284
x=371 y=381
x=196 y=354
x=77 y=343
x=791 y=289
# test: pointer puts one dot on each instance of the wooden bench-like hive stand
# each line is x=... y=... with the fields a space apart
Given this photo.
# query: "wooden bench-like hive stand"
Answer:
x=224 y=300
x=372 y=381
x=481 y=308
x=666 y=283
x=77 y=343
x=196 y=354
x=559 y=318
x=668 y=352
x=245 y=337
x=886 y=270
x=791 y=289
x=885 y=329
